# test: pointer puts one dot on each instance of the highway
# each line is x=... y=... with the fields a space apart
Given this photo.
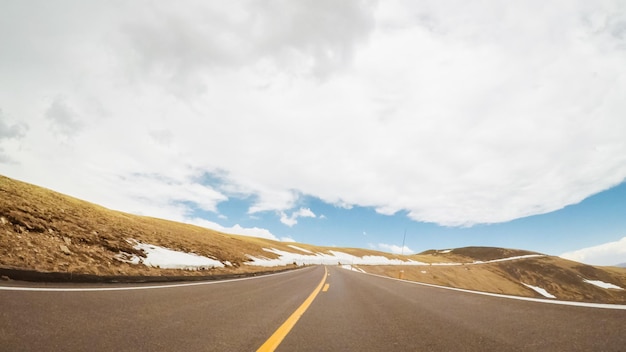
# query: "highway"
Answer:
x=348 y=311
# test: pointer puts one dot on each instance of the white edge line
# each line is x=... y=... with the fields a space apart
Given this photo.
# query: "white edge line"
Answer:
x=538 y=300
x=131 y=288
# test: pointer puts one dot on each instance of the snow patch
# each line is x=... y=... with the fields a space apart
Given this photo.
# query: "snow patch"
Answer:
x=350 y=267
x=300 y=249
x=494 y=260
x=338 y=258
x=331 y=258
x=602 y=284
x=539 y=290
x=166 y=258
x=509 y=258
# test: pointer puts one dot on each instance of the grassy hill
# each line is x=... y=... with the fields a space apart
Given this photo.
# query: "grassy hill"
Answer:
x=50 y=232
x=46 y=231
x=562 y=278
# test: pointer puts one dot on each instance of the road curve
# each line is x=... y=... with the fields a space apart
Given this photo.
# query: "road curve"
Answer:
x=353 y=312
x=362 y=312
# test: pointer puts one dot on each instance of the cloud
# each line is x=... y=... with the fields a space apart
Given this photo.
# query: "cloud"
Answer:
x=394 y=248
x=162 y=136
x=158 y=189
x=178 y=43
x=64 y=120
x=12 y=131
x=611 y=253
x=293 y=218
x=236 y=229
x=287 y=239
x=454 y=113
x=9 y=132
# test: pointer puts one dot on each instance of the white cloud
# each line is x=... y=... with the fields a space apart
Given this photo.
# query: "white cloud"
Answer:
x=611 y=253
x=9 y=133
x=293 y=218
x=457 y=113
x=63 y=118
x=287 y=239
x=235 y=230
x=176 y=43
x=394 y=248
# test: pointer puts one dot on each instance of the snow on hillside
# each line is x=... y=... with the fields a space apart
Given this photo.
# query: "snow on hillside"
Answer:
x=166 y=258
x=540 y=290
x=334 y=258
x=494 y=260
x=300 y=249
x=353 y=268
x=338 y=258
x=602 y=284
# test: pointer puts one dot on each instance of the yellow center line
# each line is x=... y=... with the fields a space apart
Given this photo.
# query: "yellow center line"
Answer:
x=272 y=343
x=325 y=287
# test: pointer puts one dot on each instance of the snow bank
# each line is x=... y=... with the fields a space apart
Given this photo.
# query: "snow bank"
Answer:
x=350 y=267
x=300 y=249
x=169 y=259
x=166 y=258
x=494 y=260
x=337 y=258
x=539 y=290
x=510 y=258
x=331 y=258
x=602 y=284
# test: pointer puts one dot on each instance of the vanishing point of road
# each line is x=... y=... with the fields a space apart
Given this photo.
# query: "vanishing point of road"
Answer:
x=311 y=309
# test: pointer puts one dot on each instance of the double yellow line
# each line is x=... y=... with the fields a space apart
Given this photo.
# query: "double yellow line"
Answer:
x=272 y=343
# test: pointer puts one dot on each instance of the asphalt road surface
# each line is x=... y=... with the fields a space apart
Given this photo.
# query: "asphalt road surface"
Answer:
x=353 y=312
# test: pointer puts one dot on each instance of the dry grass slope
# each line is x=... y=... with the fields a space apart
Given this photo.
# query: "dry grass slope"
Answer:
x=50 y=232
x=560 y=277
x=47 y=231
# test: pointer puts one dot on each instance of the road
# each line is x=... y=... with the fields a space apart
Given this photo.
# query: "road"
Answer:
x=354 y=312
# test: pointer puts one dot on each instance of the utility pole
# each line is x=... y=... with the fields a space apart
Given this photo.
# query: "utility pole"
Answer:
x=403 y=240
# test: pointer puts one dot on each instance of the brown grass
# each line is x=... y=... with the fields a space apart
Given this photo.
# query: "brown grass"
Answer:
x=35 y=223
x=560 y=277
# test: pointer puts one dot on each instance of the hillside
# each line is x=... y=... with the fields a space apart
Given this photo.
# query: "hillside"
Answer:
x=45 y=231
x=480 y=269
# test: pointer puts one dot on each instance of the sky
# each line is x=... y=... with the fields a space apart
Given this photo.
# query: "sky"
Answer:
x=346 y=123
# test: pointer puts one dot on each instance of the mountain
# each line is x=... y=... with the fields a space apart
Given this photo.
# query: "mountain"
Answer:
x=43 y=231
